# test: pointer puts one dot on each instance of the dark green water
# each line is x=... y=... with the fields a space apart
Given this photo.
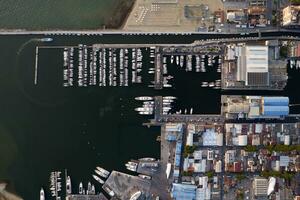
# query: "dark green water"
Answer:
x=55 y=14
x=48 y=127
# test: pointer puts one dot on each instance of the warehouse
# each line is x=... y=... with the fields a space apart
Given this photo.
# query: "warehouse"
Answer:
x=253 y=65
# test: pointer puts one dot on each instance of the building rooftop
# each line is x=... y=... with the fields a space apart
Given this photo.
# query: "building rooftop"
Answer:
x=183 y=191
x=291 y=16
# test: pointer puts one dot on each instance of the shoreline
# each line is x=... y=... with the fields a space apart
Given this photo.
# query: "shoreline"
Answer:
x=5 y=194
x=115 y=21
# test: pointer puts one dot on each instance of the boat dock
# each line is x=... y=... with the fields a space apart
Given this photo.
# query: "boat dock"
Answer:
x=158 y=78
x=36 y=65
x=86 y=197
x=160 y=118
x=123 y=186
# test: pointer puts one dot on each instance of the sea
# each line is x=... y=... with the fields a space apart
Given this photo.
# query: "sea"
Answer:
x=48 y=127
x=55 y=14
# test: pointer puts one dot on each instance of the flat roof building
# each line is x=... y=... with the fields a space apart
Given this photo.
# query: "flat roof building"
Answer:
x=183 y=191
x=253 y=65
x=260 y=186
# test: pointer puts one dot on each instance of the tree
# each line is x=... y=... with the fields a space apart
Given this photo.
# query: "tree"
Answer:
x=283 y=51
x=209 y=174
x=240 y=177
x=188 y=150
x=250 y=148
x=295 y=1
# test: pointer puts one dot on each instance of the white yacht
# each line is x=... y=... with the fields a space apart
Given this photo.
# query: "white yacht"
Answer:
x=136 y=195
x=80 y=188
x=169 y=97
x=98 y=179
x=145 y=176
x=147 y=159
x=143 y=98
x=68 y=185
x=100 y=173
x=42 y=194
x=103 y=170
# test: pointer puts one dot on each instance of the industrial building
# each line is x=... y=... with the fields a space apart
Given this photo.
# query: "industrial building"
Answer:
x=253 y=107
x=253 y=65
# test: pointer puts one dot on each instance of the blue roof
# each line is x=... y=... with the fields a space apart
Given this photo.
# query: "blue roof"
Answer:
x=276 y=101
x=171 y=137
x=177 y=160
x=183 y=191
x=176 y=173
x=178 y=147
x=276 y=110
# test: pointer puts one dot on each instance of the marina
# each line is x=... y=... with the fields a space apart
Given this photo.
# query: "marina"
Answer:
x=114 y=65
x=102 y=66
x=80 y=102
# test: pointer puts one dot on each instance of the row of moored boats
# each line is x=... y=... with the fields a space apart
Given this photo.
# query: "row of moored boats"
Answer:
x=102 y=66
x=56 y=185
x=199 y=60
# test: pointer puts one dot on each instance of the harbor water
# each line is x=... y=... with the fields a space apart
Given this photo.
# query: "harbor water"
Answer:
x=56 y=14
x=47 y=127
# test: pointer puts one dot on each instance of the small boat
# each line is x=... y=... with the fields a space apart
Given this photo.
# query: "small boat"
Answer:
x=98 y=179
x=103 y=170
x=143 y=98
x=80 y=188
x=93 y=191
x=133 y=163
x=204 y=84
x=89 y=189
x=100 y=173
x=46 y=39
x=147 y=159
x=211 y=84
x=181 y=61
x=166 y=108
x=145 y=176
x=145 y=113
x=149 y=102
x=144 y=109
x=167 y=85
x=109 y=191
x=42 y=194
x=177 y=60
x=169 y=97
x=68 y=185
x=168 y=100
x=136 y=196
x=131 y=168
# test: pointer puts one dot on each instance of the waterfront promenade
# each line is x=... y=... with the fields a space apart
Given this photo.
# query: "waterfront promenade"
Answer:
x=120 y=32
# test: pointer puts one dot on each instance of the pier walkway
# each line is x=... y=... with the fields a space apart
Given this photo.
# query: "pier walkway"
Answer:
x=158 y=78
x=160 y=118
